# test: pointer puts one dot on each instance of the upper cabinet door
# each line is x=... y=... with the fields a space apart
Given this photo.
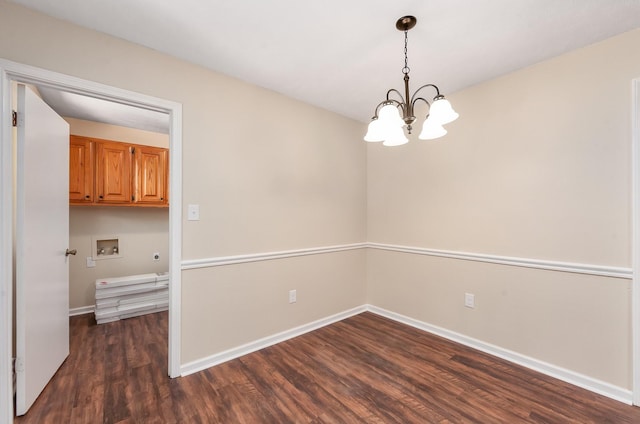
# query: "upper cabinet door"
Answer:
x=81 y=171
x=113 y=173
x=150 y=170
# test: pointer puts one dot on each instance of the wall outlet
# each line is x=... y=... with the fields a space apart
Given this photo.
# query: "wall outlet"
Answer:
x=156 y=256
x=90 y=262
x=470 y=300
x=292 y=296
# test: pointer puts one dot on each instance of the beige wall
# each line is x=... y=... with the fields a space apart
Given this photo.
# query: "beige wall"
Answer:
x=141 y=232
x=538 y=166
x=325 y=284
x=269 y=173
x=577 y=322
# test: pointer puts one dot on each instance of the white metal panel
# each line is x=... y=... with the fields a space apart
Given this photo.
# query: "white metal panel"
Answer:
x=133 y=295
x=42 y=232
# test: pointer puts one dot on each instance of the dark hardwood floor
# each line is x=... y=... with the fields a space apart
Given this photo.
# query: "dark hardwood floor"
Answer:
x=365 y=369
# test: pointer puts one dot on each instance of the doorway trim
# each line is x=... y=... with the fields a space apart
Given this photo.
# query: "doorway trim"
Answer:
x=635 y=242
x=12 y=71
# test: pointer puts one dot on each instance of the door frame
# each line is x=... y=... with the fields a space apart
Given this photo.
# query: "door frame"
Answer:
x=635 y=242
x=12 y=71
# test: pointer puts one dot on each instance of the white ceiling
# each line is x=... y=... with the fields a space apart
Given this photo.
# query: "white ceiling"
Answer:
x=343 y=55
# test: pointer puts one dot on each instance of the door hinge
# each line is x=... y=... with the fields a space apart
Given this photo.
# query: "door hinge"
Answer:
x=14 y=118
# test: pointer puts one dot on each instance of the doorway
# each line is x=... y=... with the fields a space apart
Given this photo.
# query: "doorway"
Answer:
x=15 y=72
x=635 y=243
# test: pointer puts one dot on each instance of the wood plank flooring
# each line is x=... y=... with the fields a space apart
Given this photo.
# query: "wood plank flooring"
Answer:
x=365 y=369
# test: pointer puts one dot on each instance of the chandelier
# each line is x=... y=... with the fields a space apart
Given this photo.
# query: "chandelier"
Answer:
x=387 y=124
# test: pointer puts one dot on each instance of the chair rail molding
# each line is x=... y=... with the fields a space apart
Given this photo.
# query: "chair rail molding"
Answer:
x=591 y=269
x=267 y=256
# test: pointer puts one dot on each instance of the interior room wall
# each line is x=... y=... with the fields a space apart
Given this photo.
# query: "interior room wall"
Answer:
x=537 y=167
x=269 y=173
x=326 y=284
x=141 y=231
x=116 y=132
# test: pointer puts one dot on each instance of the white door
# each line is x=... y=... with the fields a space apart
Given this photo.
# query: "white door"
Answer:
x=42 y=238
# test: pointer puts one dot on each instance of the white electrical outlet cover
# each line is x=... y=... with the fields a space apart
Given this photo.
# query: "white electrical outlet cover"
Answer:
x=193 y=212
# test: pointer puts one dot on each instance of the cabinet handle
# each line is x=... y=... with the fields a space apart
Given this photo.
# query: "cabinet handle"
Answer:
x=87 y=197
x=162 y=198
x=100 y=196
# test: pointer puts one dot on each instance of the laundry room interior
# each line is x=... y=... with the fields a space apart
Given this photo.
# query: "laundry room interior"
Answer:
x=139 y=233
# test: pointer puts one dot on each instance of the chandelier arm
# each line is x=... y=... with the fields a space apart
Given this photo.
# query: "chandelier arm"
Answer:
x=414 y=101
x=393 y=90
x=402 y=104
x=375 y=114
x=413 y=98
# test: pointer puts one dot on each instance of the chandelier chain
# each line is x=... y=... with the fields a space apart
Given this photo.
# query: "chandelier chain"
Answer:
x=406 y=69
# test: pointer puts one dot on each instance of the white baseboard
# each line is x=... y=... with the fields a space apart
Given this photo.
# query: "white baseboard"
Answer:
x=218 y=358
x=580 y=380
x=82 y=310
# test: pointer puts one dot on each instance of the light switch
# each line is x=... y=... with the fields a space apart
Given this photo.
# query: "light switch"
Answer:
x=469 y=300
x=193 y=213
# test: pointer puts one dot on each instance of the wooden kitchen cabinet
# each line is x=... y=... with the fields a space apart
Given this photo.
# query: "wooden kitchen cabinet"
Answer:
x=150 y=175
x=81 y=172
x=113 y=172
x=106 y=172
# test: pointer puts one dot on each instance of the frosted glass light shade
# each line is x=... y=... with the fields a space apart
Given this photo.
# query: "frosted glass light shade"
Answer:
x=375 y=131
x=442 y=112
x=431 y=130
x=395 y=137
x=390 y=115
